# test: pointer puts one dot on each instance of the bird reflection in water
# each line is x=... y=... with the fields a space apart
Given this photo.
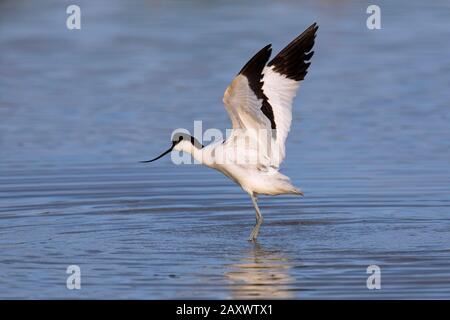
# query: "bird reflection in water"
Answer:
x=261 y=274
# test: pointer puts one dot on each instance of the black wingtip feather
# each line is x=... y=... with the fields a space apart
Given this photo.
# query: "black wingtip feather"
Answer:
x=292 y=61
x=257 y=63
x=253 y=72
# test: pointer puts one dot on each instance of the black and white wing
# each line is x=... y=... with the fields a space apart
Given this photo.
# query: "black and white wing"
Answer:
x=244 y=98
x=282 y=77
x=261 y=95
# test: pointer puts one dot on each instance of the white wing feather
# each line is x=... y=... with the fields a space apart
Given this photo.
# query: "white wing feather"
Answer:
x=280 y=92
x=248 y=121
x=243 y=107
x=261 y=96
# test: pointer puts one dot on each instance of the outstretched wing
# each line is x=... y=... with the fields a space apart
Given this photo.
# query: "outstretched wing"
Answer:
x=250 y=113
x=281 y=80
x=244 y=98
x=260 y=96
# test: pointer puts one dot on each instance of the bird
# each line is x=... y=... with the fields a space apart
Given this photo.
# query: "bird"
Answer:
x=259 y=103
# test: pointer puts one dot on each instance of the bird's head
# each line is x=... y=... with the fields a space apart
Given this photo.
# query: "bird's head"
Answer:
x=180 y=142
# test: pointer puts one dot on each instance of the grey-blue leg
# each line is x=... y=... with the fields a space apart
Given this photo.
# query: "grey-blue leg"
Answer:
x=259 y=219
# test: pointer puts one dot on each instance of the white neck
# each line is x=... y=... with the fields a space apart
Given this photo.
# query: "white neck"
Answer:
x=198 y=154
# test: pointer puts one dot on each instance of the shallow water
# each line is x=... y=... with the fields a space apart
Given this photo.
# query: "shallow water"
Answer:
x=369 y=147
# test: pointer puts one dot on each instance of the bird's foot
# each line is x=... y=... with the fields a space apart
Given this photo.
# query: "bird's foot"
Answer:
x=255 y=231
x=253 y=235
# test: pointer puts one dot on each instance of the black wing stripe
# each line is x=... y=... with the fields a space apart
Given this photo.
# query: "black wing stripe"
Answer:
x=253 y=72
x=292 y=61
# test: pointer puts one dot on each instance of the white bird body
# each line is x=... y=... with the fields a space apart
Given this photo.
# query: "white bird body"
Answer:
x=252 y=178
x=259 y=103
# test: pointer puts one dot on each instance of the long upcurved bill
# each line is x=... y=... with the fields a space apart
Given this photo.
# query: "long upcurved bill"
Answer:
x=162 y=155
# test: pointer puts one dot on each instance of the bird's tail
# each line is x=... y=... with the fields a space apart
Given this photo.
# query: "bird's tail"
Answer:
x=288 y=187
x=297 y=191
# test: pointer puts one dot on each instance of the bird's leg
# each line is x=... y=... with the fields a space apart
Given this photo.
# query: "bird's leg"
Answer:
x=259 y=219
